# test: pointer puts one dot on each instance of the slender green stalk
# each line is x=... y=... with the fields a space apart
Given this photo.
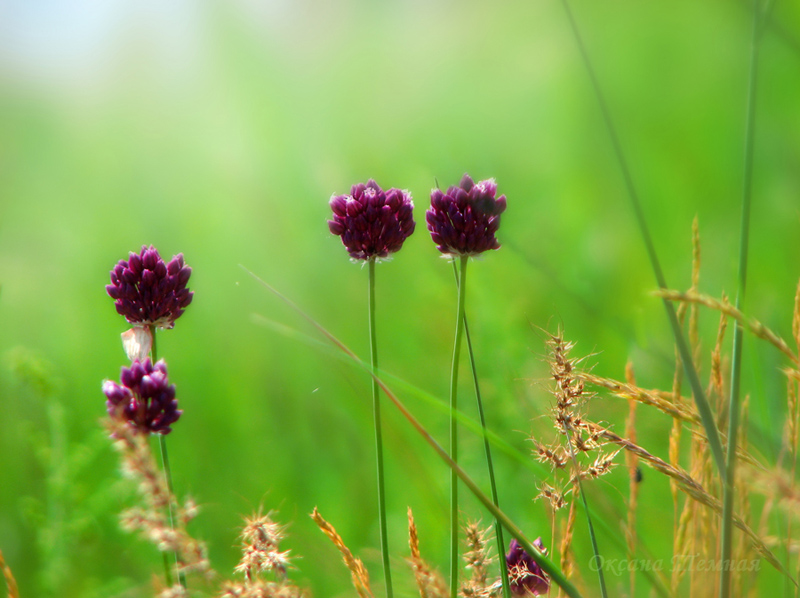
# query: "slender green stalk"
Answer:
x=555 y=574
x=162 y=443
x=376 y=411
x=703 y=408
x=501 y=547
x=738 y=332
x=454 y=561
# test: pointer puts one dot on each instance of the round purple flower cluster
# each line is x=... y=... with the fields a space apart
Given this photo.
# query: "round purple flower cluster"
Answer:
x=371 y=222
x=145 y=399
x=149 y=292
x=525 y=577
x=463 y=220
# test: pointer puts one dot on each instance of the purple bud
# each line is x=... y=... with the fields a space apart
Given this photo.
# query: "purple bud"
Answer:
x=372 y=223
x=146 y=399
x=148 y=291
x=525 y=577
x=464 y=220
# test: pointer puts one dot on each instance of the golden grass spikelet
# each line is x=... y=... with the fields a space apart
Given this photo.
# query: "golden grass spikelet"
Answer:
x=11 y=583
x=430 y=583
x=357 y=570
x=661 y=400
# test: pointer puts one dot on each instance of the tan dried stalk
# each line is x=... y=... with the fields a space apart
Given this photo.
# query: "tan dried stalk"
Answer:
x=751 y=324
x=694 y=334
x=566 y=540
x=688 y=485
x=11 y=583
x=430 y=583
x=632 y=461
x=358 y=572
x=683 y=411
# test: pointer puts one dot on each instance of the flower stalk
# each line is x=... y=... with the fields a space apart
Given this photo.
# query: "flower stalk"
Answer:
x=162 y=445
x=488 y=452
x=454 y=560
x=376 y=413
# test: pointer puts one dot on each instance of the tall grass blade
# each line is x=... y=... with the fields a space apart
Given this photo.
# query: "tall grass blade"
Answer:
x=553 y=572
x=734 y=407
x=703 y=408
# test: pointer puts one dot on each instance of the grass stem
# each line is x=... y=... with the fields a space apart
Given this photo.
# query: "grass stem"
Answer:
x=376 y=412
x=738 y=332
x=703 y=407
x=488 y=451
x=454 y=560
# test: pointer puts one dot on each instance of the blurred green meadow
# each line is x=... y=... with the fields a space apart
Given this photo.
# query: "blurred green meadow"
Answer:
x=221 y=129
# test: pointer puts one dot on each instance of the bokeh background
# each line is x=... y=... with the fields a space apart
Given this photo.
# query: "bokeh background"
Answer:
x=221 y=129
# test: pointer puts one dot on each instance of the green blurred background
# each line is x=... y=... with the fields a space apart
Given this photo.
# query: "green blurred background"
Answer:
x=221 y=129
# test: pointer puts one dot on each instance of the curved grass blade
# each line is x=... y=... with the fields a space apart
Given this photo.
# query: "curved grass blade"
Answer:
x=554 y=573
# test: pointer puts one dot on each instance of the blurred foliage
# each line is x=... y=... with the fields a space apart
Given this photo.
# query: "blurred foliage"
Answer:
x=221 y=129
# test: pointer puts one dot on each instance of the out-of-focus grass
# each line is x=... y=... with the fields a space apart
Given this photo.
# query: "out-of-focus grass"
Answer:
x=221 y=132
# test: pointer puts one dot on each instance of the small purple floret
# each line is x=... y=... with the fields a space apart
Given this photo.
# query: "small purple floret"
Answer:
x=148 y=291
x=463 y=220
x=371 y=222
x=146 y=400
x=525 y=577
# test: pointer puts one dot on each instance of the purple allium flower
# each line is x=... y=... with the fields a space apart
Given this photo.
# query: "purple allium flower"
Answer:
x=524 y=576
x=463 y=221
x=145 y=399
x=149 y=292
x=371 y=222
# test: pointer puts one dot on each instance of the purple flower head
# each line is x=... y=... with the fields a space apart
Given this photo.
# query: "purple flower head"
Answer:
x=145 y=399
x=148 y=291
x=463 y=221
x=371 y=222
x=524 y=576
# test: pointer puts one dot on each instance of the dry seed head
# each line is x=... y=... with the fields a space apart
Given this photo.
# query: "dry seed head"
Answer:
x=601 y=466
x=260 y=552
x=150 y=518
x=477 y=559
x=261 y=589
x=555 y=455
x=555 y=497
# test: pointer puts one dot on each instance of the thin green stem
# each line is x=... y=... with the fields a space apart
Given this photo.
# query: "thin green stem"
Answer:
x=162 y=443
x=454 y=562
x=738 y=333
x=703 y=408
x=487 y=449
x=376 y=411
